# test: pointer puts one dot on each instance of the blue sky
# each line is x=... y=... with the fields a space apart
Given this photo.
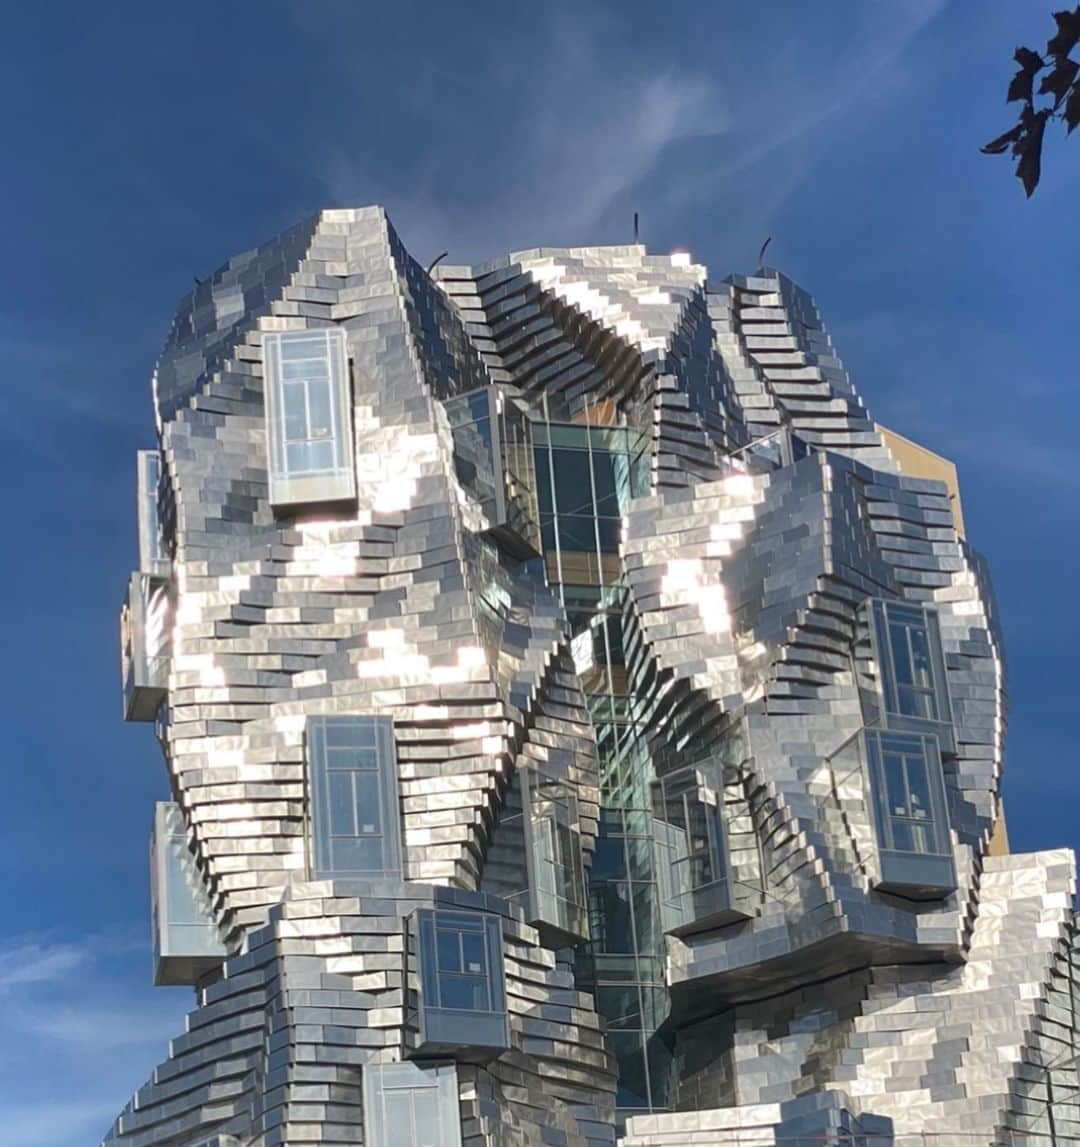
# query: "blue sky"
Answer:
x=146 y=143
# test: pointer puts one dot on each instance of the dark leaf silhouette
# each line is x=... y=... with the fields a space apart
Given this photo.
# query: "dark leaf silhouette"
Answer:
x=1058 y=82
x=1072 y=109
x=1068 y=34
x=1059 y=78
x=999 y=145
x=1020 y=88
x=1029 y=149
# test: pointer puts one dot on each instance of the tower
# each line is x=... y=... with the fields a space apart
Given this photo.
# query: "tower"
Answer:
x=582 y=721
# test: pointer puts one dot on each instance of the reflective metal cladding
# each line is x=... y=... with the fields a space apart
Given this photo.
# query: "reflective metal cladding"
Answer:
x=583 y=722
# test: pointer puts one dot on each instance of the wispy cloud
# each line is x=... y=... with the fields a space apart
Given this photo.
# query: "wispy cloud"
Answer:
x=77 y=1014
x=36 y=962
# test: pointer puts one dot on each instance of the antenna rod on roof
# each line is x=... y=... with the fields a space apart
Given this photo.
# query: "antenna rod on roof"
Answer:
x=437 y=259
x=635 y=227
x=761 y=254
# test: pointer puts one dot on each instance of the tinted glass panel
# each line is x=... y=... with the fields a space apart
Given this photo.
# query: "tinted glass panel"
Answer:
x=355 y=814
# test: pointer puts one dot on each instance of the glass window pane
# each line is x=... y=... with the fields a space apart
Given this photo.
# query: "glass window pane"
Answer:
x=916 y=702
x=609 y=531
x=473 y=953
x=342 y=805
x=901 y=659
x=543 y=481
x=918 y=786
x=609 y=860
x=629 y=1050
x=577 y=533
x=296 y=425
x=922 y=674
x=464 y=993
x=573 y=487
x=356 y=854
x=620 y=1005
x=320 y=416
x=894 y=784
x=367 y=800
x=448 y=946
x=606 y=483
x=355 y=816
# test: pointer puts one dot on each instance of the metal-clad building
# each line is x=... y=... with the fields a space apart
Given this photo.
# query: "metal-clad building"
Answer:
x=583 y=723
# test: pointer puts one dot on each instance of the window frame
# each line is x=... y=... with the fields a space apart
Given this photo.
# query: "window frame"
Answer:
x=886 y=617
x=920 y=874
x=321 y=809
x=468 y=1033
x=291 y=485
x=380 y=1079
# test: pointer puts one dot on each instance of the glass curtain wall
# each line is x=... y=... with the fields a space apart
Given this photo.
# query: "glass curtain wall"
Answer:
x=586 y=473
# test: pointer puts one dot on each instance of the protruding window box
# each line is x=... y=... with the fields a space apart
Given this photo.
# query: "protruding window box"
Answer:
x=458 y=1007
x=145 y=624
x=153 y=559
x=692 y=860
x=493 y=460
x=911 y=818
x=411 y=1103
x=355 y=809
x=912 y=692
x=187 y=944
x=309 y=438
x=552 y=891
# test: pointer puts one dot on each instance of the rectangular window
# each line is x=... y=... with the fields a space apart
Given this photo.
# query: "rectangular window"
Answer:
x=586 y=476
x=413 y=1104
x=355 y=810
x=692 y=862
x=145 y=646
x=911 y=668
x=152 y=556
x=493 y=462
x=186 y=940
x=462 y=994
x=536 y=858
x=911 y=813
x=308 y=417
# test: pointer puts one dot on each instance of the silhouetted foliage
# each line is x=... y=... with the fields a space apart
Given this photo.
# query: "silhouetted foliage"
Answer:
x=1058 y=72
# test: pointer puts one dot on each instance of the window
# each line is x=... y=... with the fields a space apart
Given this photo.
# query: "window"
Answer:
x=692 y=862
x=493 y=461
x=410 y=1103
x=911 y=666
x=186 y=940
x=585 y=476
x=462 y=993
x=152 y=556
x=535 y=858
x=308 y=417
x=355 y=812
x=145 y=646
x=911 y=816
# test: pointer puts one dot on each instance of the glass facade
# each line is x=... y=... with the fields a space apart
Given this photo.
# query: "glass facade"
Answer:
x=308 y=417
x=911 y=665
x=185 y=936
x=355 y=812
x=411 y=1103
x=461 y=997
x=586 y=475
